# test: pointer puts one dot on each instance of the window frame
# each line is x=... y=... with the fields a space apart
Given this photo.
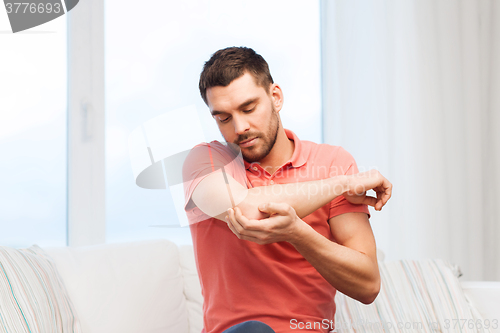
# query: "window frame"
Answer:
x=85 y=138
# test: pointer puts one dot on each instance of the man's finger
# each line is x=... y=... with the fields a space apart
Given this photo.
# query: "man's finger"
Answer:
x=384 y=197
x=245 y=226
x=244 y=221
x=274 y=208
x=238 y=226
x=234 y=223
x=370 y=201
x=231 y=227
x=240 y=236
x=384 y=194
x=388 y=192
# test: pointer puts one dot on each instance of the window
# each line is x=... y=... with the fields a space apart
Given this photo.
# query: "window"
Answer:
x=33 y=134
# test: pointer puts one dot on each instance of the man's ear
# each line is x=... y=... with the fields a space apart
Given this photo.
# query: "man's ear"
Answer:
x=276 y=96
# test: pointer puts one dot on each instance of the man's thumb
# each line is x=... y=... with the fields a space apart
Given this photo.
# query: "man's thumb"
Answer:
x=272 y=208
x=269 y=208
x=264 y=207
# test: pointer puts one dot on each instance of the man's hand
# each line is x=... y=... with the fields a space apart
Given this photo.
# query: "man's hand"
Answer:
x=359 y=183
x=283 y=224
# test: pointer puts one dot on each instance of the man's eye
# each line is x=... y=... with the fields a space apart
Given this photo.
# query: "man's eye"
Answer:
x=247 y=111
x=224 y=120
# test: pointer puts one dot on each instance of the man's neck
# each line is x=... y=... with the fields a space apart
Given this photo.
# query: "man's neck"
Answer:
x=282 y=151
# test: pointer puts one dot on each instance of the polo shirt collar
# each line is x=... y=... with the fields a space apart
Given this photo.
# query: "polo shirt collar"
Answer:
x=298 y=158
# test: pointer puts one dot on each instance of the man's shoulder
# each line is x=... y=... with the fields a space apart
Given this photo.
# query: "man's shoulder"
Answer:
x=213 y=143
x=207 y=157
x=212 y=149
x=325 y=151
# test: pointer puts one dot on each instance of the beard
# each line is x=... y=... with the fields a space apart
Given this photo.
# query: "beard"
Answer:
x=256 y=153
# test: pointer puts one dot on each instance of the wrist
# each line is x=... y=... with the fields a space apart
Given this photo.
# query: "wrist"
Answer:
x=347 y=183
x=299 y=235
x=339 y=185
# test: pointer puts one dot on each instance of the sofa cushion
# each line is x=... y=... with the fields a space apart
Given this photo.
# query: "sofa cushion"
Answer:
x=32 y=296
x=125 y=287
x=415 y=296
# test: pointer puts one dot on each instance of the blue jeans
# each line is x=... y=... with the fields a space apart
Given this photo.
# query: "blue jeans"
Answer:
x=251 y=326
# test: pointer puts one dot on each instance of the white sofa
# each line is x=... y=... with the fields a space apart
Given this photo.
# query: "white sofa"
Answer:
x=152 y=286
x=145 y=286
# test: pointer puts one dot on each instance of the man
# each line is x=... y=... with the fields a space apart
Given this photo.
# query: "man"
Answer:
x=294 y=227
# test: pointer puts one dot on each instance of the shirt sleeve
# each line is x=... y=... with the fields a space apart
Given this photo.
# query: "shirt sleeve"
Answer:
x=203 y=160
x=344 y=164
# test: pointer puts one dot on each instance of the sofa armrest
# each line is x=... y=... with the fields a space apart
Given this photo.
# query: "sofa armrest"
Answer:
x=485 y=297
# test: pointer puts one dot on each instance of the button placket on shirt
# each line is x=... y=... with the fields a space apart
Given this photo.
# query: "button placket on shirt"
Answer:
x=269 y=180
x=258 y=181
x=285 y=166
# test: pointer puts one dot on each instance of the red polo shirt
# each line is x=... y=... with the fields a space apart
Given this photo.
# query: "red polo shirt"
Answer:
x=272 y=283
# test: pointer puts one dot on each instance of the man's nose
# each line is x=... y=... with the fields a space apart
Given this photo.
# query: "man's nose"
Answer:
x=240 y=125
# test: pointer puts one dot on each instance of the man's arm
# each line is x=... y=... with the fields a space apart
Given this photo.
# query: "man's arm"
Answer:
x=349 y=264
x=211 y=195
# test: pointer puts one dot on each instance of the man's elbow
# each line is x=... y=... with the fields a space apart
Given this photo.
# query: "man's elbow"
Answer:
x=249 y=209
x=371 y=292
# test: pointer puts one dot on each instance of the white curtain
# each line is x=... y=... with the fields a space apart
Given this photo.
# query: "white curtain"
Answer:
x=412 y=88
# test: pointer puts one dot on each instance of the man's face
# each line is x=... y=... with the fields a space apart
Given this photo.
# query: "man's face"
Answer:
x=246 y=116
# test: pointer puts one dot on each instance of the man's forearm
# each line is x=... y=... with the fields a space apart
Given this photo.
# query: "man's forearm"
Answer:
x=212 y=195
x=304 y=197
x=349 y=271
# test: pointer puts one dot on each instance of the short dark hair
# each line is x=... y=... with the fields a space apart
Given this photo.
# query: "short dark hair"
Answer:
x=230 y=63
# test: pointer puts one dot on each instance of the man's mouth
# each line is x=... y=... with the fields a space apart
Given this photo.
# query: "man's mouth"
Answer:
x=248 y=143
